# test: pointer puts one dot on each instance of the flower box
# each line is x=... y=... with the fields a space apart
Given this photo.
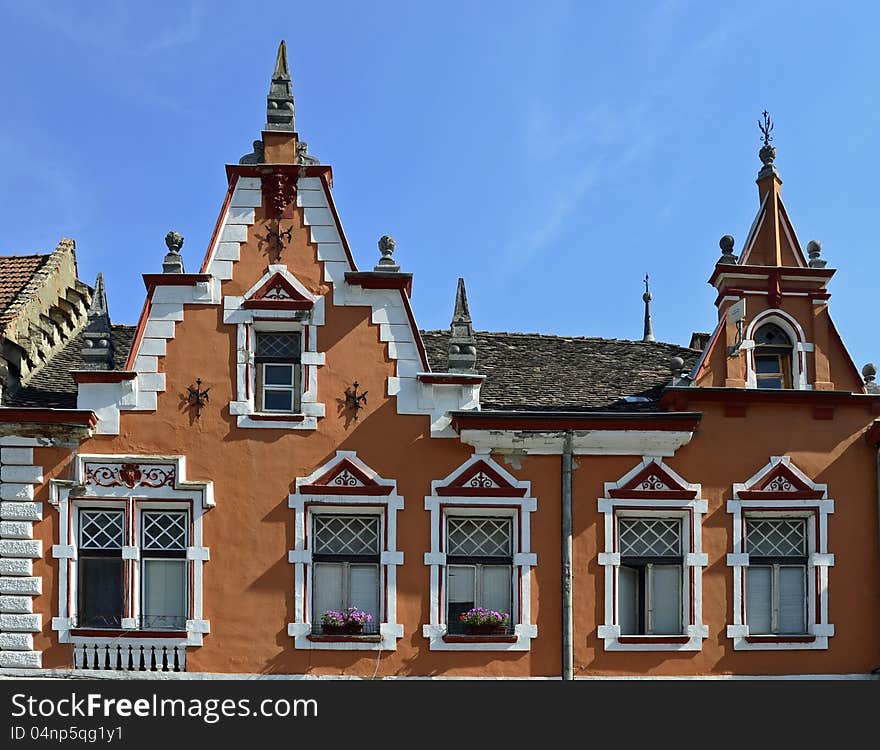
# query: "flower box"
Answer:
x=487 y=629
x=349 y=629
x=349 y=621
x=482 y=621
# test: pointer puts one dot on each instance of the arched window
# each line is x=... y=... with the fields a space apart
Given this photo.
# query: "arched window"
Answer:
x=773 y=352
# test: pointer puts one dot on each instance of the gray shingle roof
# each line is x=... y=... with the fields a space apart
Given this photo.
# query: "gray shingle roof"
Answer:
x=52 y=386
x=525 y=371
x=540 y=372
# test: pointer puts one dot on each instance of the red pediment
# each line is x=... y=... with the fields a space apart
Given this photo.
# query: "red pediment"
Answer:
x=780 y=482
x=655 y=482
x=480 y=480
x=346 y=478
x=278 y=294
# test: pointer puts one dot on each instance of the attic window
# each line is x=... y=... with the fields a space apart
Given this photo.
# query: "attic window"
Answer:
x=773 y=351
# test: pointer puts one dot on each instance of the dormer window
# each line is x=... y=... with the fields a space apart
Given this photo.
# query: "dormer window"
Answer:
x=773 y=351
x=277 y=359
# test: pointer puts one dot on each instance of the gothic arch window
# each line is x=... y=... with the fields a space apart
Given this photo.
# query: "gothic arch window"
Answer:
x=773 y=357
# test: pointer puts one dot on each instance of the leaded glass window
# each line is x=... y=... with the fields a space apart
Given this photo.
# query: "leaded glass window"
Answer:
x=776 y=579
x=479 y=573
x=649 y=596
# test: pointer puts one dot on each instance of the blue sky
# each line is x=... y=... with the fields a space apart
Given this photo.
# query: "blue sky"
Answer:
x=550 y=153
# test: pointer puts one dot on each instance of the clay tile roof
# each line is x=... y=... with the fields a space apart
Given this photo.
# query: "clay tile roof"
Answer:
x=540 y=372
x=15 y=273
x=53 y=386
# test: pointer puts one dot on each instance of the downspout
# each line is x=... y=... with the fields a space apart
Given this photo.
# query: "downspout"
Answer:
x=567 y=618
x=877 y=448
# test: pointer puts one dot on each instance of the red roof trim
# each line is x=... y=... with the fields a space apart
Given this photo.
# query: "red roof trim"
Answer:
x=481 y=491
x=323 y=489
x=776 y=495
x=102 y=376
x=787 y=272
x=175 y=279
x=233 y=181
x=380 y=280
x=32 y=415
x=674 y=395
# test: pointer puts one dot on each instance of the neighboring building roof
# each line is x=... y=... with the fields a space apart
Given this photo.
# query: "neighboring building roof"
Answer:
x=538 y=372
x=53 y=386
x=16 y=272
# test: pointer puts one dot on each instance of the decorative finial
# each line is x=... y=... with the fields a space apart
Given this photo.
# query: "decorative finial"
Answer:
x=173 y=261
x=648 y=334
x=279 y=102
x=869 y=372
x=462 y=352
x=386 y=262
x=676 y=369
x=767 y=154
x=814 y=249
x=726 y=245
x=257 y=156
x=97 y=345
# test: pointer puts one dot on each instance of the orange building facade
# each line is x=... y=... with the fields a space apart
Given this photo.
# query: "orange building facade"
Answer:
x=276 y=441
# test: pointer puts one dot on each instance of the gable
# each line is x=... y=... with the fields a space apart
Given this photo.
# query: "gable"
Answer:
x=652 y=479
x=278 y=293
x=480 y=477
x=780 y=479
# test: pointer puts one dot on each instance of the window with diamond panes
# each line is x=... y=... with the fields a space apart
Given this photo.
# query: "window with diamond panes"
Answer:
x=345 y=567
x=479 y=560
x=164 y=536
x=649 y=597
x=776 y=578
x=100 y=598
x=278 y=371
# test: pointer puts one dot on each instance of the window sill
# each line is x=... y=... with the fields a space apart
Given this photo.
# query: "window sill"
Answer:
x=114 y=633
x=654 y=639
x=780 y=639
x=320 y=638
x=263 y=416
x=480 y=639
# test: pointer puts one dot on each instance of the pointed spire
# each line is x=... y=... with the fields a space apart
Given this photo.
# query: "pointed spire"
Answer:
x=648 y=334
x=279 y=102
x=462 y=343
x=98 y=307
x=97 y=345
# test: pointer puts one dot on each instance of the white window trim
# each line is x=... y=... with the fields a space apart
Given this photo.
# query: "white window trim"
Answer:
x=68 y=496
x=385 y=506
x=800 y=347
x=247 y=322
x=818 y=560
x=691 y=511
x=524 y=630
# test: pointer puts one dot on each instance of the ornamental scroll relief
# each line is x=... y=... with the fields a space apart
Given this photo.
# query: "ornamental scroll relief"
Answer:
x=129 y=475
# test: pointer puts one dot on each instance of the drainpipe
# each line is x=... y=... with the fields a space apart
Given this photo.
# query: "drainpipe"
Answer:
x=567 y=619
x=877 y=447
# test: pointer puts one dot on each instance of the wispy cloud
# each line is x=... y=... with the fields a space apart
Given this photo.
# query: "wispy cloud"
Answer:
x=120 y=27
x=609 y=136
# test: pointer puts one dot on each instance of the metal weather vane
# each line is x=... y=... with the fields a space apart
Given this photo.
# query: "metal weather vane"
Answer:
x=766 y=127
